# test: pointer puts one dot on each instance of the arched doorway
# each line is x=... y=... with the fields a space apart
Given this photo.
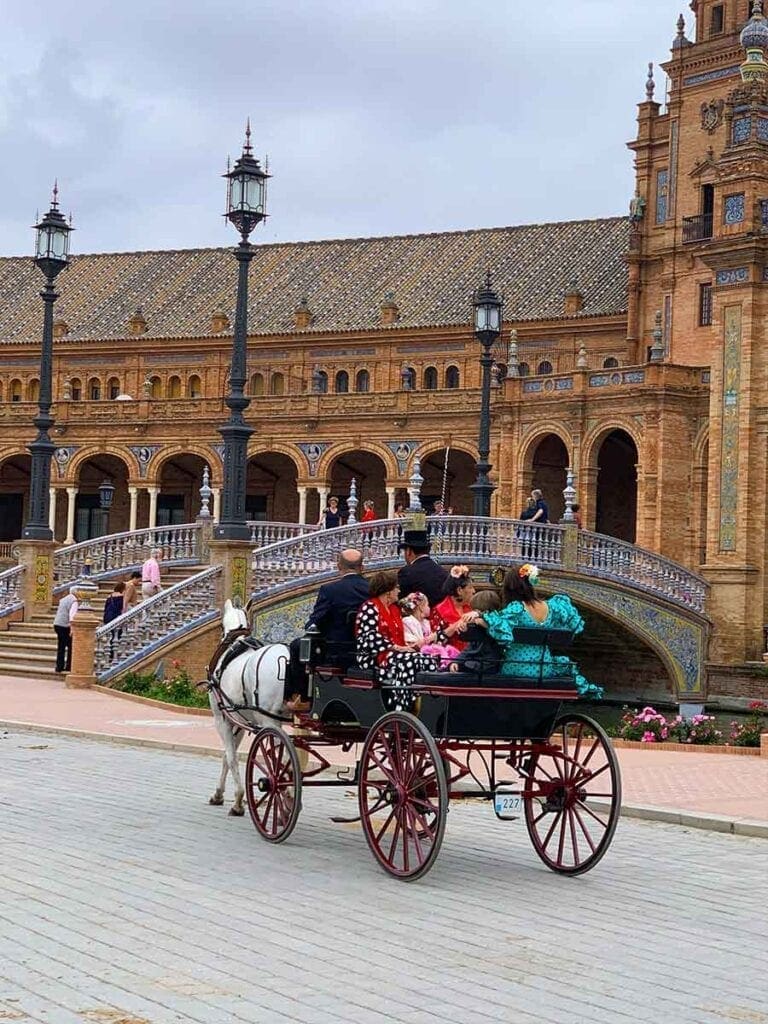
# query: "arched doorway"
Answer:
x=181 y=477
x=549 y=472
x=91 y=520
x=616 y=500
x=459 y=474
x=370 y=475
x=271 y=494
x=14 y=495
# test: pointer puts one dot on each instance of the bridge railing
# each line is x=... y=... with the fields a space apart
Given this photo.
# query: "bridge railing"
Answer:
x=11 y=598
x=151 y=624
x=618 y=560
x=180 y=545
x=263 y=534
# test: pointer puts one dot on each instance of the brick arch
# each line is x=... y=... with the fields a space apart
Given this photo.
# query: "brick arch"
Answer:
x=371 y=447
x=701 y=441
x=116 y=451
x=536 y=434
x=207 y=454
x=281 y=448
x=427 y=448
x=12 y=450
x=590 y=447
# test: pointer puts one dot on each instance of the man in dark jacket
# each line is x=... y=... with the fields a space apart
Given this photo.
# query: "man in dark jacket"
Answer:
x=420 y=572
x=334 y=613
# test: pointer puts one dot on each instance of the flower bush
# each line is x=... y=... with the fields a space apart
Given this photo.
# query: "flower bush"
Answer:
x=747 y=734
x=177 y=689
x=649 y=726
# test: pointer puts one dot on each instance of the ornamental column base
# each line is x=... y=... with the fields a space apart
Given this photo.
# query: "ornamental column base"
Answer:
x=236 y=579
x=37 y=582
x=84 y=626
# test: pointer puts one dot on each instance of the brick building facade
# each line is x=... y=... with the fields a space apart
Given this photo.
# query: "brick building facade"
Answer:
x=633 y=351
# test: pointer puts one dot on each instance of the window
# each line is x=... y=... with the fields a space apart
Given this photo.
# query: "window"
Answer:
x=452 y=377
x=14 y=391
x=610 y=363
x=94 y=389
x=322 y=382
x=33 y=390
x=705 y=304
x=430 y=379
x=717 y=20
x=113 y=387
x=76 y=388
x=194 y=387
x=523 y=369
x=257 y=385
x=362 y=381
x=174 y=387
x=408 y=378
x=662 y=193
x=277 y=385
x=155 y=388
x=733 y=208
x=544 y=367
x=342 y=382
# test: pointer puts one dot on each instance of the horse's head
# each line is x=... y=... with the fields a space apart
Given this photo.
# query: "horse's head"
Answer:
x=233 y=618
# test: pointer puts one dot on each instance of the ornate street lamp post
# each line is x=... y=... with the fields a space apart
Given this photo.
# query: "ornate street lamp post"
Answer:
x=51 y=256
x=246 y=207
x=488 y=307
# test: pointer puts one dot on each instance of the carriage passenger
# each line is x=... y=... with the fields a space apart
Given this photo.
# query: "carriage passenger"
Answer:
x=458 y=590
x=482 y=655
x=419 y=631
x=522 y=607
x=381 y=644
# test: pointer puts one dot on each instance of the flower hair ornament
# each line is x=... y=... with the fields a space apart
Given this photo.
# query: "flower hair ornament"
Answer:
x=529 y=572
x=457 y=571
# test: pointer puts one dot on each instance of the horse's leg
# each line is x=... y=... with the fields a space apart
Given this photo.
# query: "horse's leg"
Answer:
x=223 y=728
x=236 y=809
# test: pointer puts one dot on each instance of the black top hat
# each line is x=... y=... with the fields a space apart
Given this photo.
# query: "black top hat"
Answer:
x=414 y=539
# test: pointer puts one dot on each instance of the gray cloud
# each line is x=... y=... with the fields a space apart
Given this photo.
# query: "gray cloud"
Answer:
x=378 y=117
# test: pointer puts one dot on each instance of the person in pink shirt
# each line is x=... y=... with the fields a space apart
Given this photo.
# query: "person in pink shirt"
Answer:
x=150 y=575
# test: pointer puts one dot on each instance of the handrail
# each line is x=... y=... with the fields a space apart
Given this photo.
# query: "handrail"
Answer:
x=180 y=545
x=266 y=533
x=10 y=589
x=151 y=624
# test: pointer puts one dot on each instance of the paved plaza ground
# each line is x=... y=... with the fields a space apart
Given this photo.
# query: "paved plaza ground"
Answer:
x=125 y=899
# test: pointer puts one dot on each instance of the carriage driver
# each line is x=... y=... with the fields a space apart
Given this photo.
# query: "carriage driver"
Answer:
x=334 y=614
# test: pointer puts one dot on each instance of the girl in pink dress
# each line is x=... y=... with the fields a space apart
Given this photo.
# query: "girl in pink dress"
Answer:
x=419 y=632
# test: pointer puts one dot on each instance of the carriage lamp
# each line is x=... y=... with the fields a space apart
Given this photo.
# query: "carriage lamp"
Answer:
x=246 y=207
x=487 y=307
x=51 y=256
x=106 y=494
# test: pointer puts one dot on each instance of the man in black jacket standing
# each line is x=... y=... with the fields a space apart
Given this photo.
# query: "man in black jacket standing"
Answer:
x=334 y=612
x=420 y=572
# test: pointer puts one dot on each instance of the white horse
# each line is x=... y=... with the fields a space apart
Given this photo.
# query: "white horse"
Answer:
x=255 y=678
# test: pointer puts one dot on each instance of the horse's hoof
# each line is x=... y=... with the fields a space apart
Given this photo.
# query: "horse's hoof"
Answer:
x=216 y=801
x=234 y=812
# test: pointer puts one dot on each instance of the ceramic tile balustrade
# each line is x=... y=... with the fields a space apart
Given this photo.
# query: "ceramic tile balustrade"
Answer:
x=10 y=589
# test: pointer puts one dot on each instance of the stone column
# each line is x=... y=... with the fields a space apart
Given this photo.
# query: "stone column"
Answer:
x=153 y=493
x=37 y=582
x=71 y=499
x=323 y=493
x=52 y=509
x=302 y=504
x=216 y=503
x=84 y=626
x=391 y=492
x=133 y=494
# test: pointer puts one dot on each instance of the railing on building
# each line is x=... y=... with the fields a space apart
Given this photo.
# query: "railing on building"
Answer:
x=699 y=228
x=263 y=534
x=10 y=590
x=102 y=556
x=156 y=621
x=7 y=550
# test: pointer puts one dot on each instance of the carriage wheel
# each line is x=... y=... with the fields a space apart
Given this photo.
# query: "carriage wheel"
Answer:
x=572 y=796
x=403 y=795
x=273 y=784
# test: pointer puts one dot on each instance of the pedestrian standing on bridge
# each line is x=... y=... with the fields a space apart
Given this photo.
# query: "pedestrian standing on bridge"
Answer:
x=541 y=512
x=62 y=626
x=150 y=575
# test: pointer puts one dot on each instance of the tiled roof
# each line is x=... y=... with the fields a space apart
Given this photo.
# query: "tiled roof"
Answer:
x=345 y=281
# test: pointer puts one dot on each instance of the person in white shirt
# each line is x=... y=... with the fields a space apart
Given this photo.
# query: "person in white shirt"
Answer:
x=62 y=625
x=150 y=575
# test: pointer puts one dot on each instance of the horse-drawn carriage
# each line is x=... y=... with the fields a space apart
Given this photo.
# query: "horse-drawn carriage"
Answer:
x=512 y=741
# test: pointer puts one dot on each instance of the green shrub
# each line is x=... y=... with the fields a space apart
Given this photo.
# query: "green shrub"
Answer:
x=179 y=689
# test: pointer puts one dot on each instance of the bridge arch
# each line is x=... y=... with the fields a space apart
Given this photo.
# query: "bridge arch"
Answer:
x=370 y=469
x=339 y=450
x=271 y=493
x=208 y=454
x=83 y=455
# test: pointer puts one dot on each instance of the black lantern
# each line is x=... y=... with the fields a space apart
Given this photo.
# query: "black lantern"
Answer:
x=51 y=256
x=106 y=494
x=487 y=306
x=246 y=207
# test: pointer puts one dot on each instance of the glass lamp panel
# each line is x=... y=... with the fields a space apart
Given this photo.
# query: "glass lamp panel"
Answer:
x=42 y=243
x=58 y=243
x=481 y=314
x=236 y=193
x=255 y=194
x=493 y=317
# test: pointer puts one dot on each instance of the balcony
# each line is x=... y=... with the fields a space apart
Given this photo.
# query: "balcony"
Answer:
x=698 y=229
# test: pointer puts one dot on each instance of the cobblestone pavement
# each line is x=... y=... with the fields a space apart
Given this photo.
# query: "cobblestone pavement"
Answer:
x=125 y=899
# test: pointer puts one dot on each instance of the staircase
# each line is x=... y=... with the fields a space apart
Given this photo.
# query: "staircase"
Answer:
x=28 y=649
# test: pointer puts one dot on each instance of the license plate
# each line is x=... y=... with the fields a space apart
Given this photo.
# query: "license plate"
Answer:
x=508 y=806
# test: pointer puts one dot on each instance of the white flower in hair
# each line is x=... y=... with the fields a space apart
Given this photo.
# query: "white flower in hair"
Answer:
x=457 y=571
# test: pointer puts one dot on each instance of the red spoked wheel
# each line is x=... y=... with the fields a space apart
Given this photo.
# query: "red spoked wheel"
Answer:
x=403 y=795
x=273 y=784
x=572 y=796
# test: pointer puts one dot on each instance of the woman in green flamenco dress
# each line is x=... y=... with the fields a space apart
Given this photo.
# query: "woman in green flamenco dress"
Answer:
x=521 y=607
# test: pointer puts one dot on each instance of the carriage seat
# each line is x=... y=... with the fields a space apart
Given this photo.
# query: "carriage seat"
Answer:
x=495 y=680
x=355 y=672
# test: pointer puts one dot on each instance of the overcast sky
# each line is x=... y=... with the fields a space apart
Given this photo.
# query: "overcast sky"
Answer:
x=379 y=116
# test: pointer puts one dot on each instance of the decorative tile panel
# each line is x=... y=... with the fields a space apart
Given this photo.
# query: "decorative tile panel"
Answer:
x=662 y=195
x=762 y=129
x=62 y=457
x=564 y=384
x=313 y=452
x=712 y=76
x=634 y=377
x=673 y=137
x=742 y=129
x=533 y=385
x=729 y=453
x=144 y=454
x=733 y=208
x=735 y=275
x=402 y=450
